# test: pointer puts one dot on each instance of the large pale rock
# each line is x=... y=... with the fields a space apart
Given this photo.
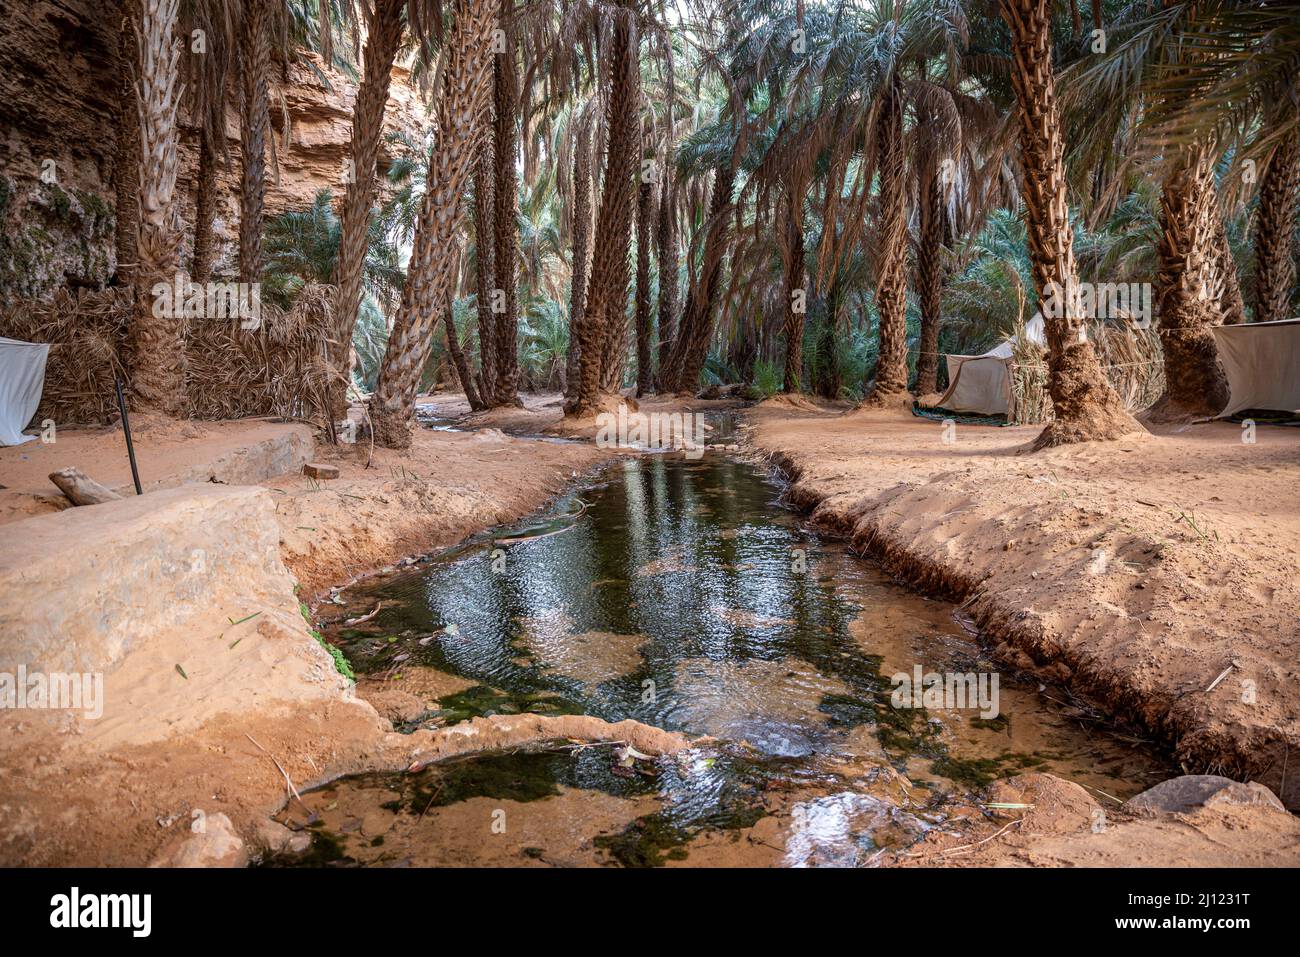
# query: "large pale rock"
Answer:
x=177 y=598
x=1187 y=793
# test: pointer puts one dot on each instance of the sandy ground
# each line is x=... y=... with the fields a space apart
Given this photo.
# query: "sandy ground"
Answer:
x=1137 y=571
x=168 y=454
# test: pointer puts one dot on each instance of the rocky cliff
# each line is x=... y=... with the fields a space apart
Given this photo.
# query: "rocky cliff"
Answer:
x=58 y=109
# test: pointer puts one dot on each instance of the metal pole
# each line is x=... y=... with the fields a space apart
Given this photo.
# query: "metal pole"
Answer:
x=126 y=429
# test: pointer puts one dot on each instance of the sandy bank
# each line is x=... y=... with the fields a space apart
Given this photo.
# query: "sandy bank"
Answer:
x=1137 y=571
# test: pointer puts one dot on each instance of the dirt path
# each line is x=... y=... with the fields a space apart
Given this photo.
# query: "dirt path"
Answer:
x=1138 y=572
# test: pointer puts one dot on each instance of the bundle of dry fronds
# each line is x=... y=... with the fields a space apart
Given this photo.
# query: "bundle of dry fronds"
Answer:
x=86 y=330
x=280 y=368
x=1131 y=357
x=1133 y=360
x=1030 y=401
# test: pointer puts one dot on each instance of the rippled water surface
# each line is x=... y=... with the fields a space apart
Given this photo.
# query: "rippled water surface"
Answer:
x=685 y=595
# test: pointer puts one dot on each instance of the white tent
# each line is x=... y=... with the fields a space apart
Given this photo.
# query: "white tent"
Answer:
x=1262 y=363
x=982 y=384
x=22 y=377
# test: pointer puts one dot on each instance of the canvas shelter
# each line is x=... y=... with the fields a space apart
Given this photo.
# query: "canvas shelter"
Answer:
x=1261 y=361
x=981 y=384
x=22 y=377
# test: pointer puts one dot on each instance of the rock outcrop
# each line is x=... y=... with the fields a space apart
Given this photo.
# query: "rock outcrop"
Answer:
x=58 y=107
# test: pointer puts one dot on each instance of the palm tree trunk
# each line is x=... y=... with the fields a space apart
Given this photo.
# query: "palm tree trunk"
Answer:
x=467 y=86
x=205 y=208
x=254 y=130
x=1274 y=227
x=581 y=254
x=1085 y=405
x=929 y=282
x=691 y=347
x=794 y=285
x=156 y=343
x=891 y=274
x=666 y=241
x=458 y=360
x=484 y=273
x=1186 y=304
x=1232 y=307
x=826 y=369
x=607 y=297
x=367 y=122
x=644 y=214
x=506 y=186
x=126 y=175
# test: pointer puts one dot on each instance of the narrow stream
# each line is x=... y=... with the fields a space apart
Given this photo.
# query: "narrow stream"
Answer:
x=685 y=595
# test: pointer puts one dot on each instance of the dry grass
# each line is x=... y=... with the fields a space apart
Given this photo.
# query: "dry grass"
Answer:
x=279 y=369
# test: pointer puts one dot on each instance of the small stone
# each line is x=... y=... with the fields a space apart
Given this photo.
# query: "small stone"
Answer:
x=216 y=845
x=272 y=836
x=321 y=471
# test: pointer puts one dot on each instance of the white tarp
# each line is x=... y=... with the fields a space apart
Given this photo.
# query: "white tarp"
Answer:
x=1262 y=363
x=22 y=377
x=982 y=384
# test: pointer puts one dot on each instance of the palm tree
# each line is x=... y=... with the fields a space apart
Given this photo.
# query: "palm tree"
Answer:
x=644 y=215
x=1231 y=304
x=691 y=346
x=666 y=256
x=156 y=342
x=606 y=302
x=485 y=268
x=795 y=293
x=462 y=102
x=891 y=267
x=1240 y=92
x=206 y=80
x=581 y=247
x=458 y=358
x=1189 y=261
x=255 y=125
x=1274 y=227
x=1084 y=404
x=128 y=160
x=505 y=151
x=382 y=42
x=301 y=247
x=929 y=277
